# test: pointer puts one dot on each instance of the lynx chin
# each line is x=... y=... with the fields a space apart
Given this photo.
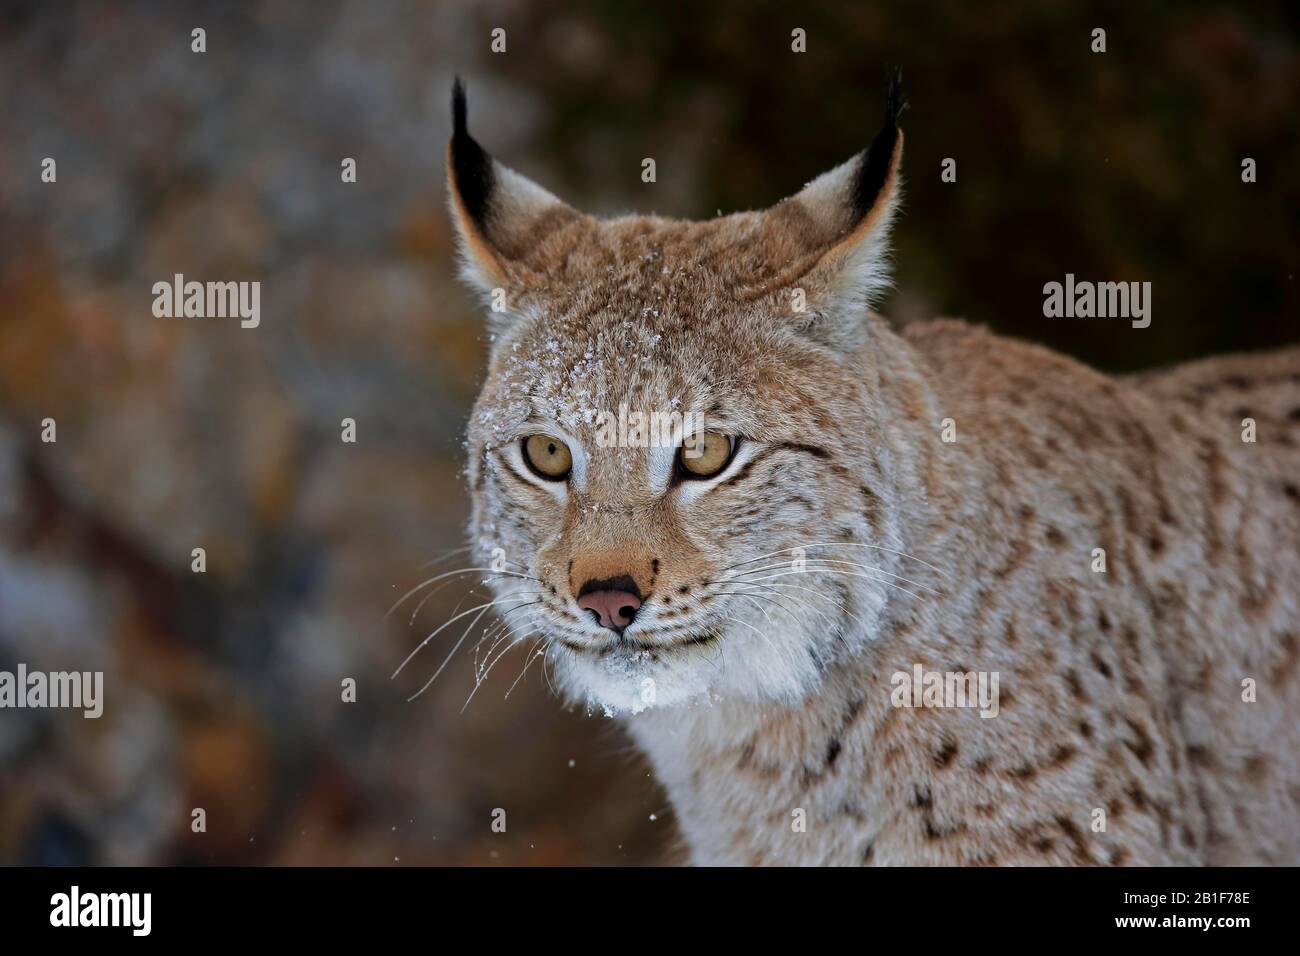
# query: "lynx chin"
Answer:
x=744 y=608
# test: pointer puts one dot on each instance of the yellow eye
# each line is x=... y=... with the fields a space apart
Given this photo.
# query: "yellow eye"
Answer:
x=703 y=456
x=548 y=456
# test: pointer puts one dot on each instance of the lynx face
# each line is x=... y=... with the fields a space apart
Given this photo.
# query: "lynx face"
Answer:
x=717 y=552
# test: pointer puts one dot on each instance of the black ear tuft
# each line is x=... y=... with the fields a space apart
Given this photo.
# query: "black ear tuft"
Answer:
x=894 y=104
x=458 y=108
x=874 y=169
x=471 y=165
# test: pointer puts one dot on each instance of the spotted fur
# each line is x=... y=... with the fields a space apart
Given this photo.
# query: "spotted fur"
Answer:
x=764 y=699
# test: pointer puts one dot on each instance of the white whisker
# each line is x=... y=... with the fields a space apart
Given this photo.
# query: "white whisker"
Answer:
x=453 y=620
x=850 y=574
x=833 y=544
x=533 y=654
x=820 y=564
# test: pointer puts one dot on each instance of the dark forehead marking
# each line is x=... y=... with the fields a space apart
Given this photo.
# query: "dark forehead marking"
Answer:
x=814 y=450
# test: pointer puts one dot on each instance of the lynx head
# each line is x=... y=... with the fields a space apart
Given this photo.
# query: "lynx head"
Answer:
x=676 y=459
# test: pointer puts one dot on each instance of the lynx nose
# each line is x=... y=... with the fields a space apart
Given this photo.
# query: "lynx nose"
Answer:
x=613 y=602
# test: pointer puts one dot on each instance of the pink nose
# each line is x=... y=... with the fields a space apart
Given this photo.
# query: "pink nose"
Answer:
x=611 y=608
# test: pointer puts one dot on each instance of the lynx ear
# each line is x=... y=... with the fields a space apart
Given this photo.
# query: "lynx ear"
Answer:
x=835 y=232
x=503 y=218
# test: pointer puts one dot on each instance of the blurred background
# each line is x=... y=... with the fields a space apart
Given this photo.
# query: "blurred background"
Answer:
x=223 y=689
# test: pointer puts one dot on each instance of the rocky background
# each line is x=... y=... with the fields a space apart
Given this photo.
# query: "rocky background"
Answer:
x=223 y=688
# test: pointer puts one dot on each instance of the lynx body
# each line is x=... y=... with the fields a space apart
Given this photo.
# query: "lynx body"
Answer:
x=940 y=501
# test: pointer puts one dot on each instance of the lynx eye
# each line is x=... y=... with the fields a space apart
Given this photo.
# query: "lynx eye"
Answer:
x=706 y=455
x=548 y=457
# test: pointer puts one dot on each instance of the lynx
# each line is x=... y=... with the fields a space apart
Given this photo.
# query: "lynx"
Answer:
x=1118 y=553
